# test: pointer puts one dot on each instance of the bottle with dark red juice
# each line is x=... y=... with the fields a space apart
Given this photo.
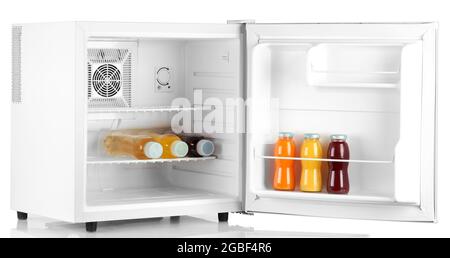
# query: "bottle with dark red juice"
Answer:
x=199 y=146
x=338 y=181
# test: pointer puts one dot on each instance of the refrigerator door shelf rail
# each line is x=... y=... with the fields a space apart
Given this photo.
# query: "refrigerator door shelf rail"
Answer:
x=358 y=197
x=356 y=85
x=316 y=41
x=332 y=160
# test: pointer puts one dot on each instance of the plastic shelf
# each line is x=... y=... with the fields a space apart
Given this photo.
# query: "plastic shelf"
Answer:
x=358 y=197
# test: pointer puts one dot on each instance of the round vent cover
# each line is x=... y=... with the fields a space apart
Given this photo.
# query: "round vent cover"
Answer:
x=106 y=80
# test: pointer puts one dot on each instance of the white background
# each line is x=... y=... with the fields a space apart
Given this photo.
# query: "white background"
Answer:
x=19 y=11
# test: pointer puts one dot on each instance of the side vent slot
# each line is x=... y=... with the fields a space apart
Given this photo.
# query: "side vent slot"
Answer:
x=16 y=64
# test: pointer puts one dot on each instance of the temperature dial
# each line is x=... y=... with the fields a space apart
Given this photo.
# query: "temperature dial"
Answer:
x=162 y=76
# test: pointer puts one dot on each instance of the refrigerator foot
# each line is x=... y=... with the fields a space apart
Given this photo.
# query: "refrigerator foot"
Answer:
x=91 y=226
x=175 y=219
x=22 y=215
x=223 y=217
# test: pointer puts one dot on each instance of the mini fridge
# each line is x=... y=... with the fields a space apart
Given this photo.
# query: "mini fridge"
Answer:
x=72 y=81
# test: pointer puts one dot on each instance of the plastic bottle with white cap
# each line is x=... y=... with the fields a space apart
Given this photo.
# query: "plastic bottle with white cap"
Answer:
x=173 y=146
x=199 y=146
x=118 y=143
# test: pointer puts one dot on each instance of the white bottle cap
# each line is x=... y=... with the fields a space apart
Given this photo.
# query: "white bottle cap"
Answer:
x=179 y=149
x=341 y=137
x=205 y=148
x=153 y=150
x=311 y=136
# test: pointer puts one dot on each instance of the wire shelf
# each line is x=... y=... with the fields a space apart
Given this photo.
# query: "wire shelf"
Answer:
x=146 y=109
x=106 y=161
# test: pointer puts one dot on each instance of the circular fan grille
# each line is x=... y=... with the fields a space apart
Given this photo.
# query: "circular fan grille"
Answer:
x=106 y=80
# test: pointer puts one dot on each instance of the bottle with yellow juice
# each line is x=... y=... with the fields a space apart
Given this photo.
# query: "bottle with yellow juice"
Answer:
x=311 y=176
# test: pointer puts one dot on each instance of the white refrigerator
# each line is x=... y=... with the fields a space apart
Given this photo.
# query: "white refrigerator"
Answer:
x=72 y=81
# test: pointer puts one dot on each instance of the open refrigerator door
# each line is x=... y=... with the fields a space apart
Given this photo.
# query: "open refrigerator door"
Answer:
x=374 y=83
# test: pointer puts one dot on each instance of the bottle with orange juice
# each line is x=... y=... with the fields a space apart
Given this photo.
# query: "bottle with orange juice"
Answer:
x=126 y=142
x=173 y=146
x=284 y=174
x=311 y=177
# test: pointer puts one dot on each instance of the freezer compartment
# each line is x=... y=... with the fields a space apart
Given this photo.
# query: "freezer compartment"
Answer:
x=127 y=75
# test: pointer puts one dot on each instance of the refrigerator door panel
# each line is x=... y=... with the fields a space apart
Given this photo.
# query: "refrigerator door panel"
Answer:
x=373 y=82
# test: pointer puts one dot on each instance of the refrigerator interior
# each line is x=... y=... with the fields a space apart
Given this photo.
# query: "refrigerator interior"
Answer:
x=211 y=65
x=330 y=87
